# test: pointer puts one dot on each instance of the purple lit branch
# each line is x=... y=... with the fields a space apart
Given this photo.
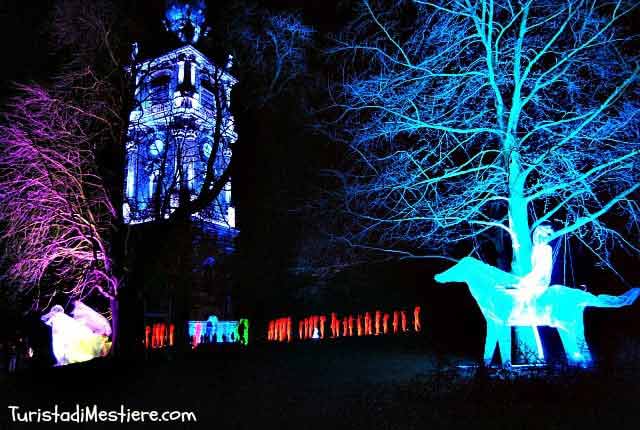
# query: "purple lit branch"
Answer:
x=53 y=206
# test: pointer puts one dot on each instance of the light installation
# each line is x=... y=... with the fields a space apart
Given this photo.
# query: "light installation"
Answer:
x=503 y=305
x=79 y=338
x=280 y=330
x=375 y=323
x=214 y=331
x=159 y=335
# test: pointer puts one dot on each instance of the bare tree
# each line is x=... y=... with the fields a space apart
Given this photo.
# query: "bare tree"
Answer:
x=473 y=120
x=53 y=205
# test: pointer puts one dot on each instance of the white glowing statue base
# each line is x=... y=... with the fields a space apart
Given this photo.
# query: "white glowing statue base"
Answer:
x=79 y=338
x=504 y=306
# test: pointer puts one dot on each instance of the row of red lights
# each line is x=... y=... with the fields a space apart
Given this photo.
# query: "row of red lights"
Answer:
x=157 y=336
x=367 y=324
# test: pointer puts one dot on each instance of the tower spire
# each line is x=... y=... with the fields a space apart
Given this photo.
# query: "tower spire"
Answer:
x=185 y=18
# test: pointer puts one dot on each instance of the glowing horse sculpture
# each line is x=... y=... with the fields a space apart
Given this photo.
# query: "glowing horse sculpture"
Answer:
x=558 y=306
x=77 y=339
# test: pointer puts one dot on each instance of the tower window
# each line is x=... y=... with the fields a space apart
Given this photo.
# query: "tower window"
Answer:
x=206 y=84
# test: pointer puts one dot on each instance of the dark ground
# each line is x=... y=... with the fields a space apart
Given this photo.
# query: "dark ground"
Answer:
x=360 y=384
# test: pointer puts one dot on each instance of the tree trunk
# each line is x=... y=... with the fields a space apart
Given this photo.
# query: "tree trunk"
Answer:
x=526 y=339
x=115 y=326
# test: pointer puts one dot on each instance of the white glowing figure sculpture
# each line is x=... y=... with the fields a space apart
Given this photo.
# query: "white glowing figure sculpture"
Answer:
x=74 y=340
x=92 y=319
x=504 y=300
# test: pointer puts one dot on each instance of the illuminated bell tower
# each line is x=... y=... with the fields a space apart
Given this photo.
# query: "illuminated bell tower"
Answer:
x=181 y=129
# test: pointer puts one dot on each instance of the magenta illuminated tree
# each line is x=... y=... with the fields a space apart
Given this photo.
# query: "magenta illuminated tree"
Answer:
x=53 y=206
x=480 y=120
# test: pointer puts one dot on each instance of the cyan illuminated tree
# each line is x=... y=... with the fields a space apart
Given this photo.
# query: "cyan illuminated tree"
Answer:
x=471 y=120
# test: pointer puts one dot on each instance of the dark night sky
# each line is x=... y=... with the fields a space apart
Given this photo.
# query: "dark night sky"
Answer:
x=24 y=26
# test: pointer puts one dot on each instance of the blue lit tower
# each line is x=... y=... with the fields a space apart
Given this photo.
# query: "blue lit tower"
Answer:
x=181 y=114
x=180 y=139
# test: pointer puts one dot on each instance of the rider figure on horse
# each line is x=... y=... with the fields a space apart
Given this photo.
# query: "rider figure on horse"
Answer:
x=532 y=285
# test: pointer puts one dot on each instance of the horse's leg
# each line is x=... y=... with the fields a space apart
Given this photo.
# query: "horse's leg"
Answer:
x=504 y=341
x=490 y=342
x=575 y=345
x=584 y=354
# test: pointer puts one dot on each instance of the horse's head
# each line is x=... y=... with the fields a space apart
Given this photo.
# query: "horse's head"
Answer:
x=455 y=273
x=48 y=318
x=92 y=319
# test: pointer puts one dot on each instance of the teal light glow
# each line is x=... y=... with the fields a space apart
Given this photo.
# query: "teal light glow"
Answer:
x=500 y=300
x=214 y=330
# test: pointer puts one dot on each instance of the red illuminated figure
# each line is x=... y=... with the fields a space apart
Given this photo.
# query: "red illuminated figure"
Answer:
x=306 y=328
x=367 y=324
x=351 y=321
x=335 y=325
x=289 y=324
x=404 y=320
x=396 y=317
x=359 y=325
x=345 y=327
x=172 y=329
x=378 y=317
x=323 y=320
x=155 y=336
x=417 y=326
x=147 y=336
x=163 y=335
x=385 y=323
